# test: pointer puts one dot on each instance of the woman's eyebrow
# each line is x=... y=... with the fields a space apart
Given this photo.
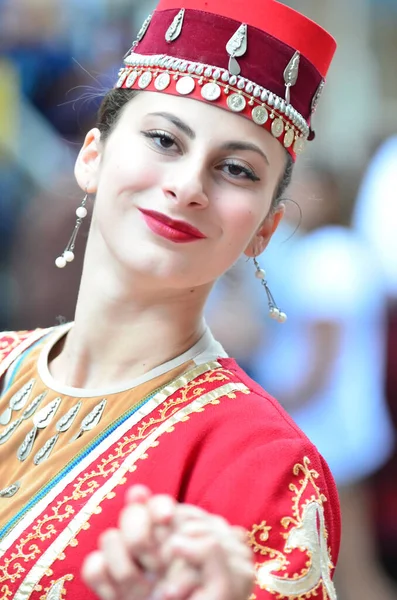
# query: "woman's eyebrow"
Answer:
x=238 y=146
x=177 y=122
x=233 y=146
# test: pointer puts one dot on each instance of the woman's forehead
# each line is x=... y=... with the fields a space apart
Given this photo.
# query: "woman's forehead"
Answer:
x=206 y=120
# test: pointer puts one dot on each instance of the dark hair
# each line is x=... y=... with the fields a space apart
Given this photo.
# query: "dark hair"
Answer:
x=110 y=112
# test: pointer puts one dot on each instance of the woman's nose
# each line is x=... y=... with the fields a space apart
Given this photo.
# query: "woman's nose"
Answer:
x=186 y=186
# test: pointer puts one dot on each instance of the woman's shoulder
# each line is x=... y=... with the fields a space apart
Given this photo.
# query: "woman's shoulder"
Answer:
x=14 y=343
x=255 y=409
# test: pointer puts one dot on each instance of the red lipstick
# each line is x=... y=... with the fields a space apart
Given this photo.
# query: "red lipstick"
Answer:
x=176 y=231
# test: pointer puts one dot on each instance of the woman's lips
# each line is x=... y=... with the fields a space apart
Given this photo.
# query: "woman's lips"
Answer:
x=176 y=231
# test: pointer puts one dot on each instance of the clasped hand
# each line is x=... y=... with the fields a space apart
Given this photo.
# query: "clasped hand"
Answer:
x=163 y=550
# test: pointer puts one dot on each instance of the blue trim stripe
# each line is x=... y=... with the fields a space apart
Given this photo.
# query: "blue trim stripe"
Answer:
x=16 y=366
x=69 y=467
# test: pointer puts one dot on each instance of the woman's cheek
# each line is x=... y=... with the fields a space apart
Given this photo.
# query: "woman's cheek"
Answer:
x=243 y=221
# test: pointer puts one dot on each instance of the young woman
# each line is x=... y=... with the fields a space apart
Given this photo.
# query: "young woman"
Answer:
x=137 y=459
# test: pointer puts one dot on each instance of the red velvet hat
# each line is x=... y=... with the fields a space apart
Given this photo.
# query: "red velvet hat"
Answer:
x=257 y=58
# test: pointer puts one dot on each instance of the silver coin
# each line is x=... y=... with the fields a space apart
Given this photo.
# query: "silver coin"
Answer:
x=145 y=80
x=289 y=138
x=121 y=80
x=131 y=79
x=277 y=127
x=299 y=146
x=162 y=81
x=185 y=85
x=236 y=102
x=260 y=115
x=211 y=92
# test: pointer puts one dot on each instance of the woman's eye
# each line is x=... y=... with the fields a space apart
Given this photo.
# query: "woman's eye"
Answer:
x=235 y=170
x=161 y=139
x=239 y=171
x=165 y=141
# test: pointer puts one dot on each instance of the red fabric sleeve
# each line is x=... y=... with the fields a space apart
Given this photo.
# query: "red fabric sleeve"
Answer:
x=285 y=496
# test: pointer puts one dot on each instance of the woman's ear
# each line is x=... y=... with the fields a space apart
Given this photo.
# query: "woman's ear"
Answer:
x=86 y=169
x=264 y=234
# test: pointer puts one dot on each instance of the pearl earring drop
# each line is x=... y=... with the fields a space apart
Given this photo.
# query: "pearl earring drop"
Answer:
x=274 y=312
x=68 y=254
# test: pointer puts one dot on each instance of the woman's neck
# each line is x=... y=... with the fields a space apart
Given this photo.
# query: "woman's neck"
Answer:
x=117 y=337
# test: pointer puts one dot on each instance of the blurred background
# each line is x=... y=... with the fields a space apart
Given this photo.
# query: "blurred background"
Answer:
x=332 y=266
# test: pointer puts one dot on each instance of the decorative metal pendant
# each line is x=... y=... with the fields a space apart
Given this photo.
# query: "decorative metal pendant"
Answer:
x=175 y=29
x=91 y=420
x=65 y=422
x=143 y=29
x=40 y=420
x=46 y=450
x=33 y=406
x=237 y=46
x=291 y=75
x=7 y=433
x=18 y=401
x=6 y=416
x=27 y=445
x=317 y=96
x=11 y=490
x=46 y=414
x=56 y=591
x=141 y=34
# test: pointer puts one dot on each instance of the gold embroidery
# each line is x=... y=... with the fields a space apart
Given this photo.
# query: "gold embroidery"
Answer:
x=13 y=343
x=45 y=529
x=308 y=534
x=57 y=590
x=127 y=452
x=5 y=592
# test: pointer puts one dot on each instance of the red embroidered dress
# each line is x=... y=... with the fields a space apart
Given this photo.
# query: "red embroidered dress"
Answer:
x=198 y=429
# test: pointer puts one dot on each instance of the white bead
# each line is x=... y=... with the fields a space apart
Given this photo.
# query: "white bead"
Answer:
x=81 y=212
x=282 y=318
x=60 y=262
x=264 y=95
x=274 y=313
x=260 y=274
x=68 y=256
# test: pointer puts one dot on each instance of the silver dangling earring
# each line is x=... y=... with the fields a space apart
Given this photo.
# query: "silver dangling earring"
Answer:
x=274 y=312
x=68 y=254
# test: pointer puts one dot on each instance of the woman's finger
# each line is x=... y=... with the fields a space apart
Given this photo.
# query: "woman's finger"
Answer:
x=162 y=509
x=139 y=494
x=180 y=580
x=121 y=568
x=95 y=574
x=197 y=551
x=142 y=538
x=136 y=526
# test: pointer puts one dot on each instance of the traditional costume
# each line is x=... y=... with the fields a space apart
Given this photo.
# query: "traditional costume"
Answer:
x=197 y=427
